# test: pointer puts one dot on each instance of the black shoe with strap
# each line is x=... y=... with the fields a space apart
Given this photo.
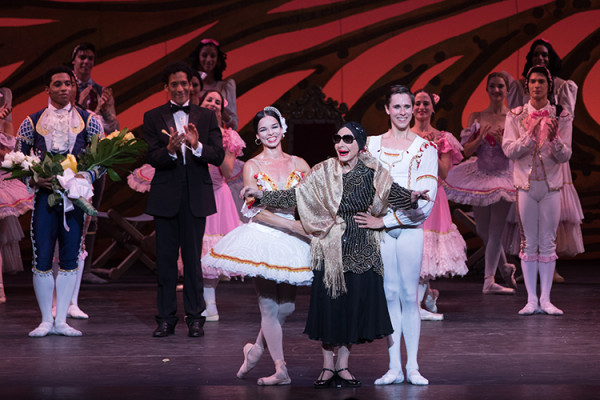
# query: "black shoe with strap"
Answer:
x=352 y=382
x=325 y=383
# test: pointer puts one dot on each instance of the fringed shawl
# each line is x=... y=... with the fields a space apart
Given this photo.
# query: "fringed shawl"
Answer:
x=318 y=201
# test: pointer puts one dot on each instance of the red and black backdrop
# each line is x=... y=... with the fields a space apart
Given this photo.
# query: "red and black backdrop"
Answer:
x=351 y=49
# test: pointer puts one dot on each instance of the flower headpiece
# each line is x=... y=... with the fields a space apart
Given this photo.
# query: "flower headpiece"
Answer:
x=210 y=41
x=276 y=111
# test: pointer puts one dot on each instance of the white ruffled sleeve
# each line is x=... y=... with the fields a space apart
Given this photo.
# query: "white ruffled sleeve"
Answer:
x=427 y=180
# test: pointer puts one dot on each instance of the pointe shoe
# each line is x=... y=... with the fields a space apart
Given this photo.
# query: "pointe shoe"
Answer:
x=342 y=382
x=280 y=377
x=75 y=312
x=391 y=377
x=250 y=361
x=321 y=383
x=414 y=377
x=557 y=278
x=507 y=271
x=550 y=309
x=65 y=330
x=490 y=287
x=429 y=316
x=42 y=330
x=431 y=299
x=529 y=309
x=211 y=313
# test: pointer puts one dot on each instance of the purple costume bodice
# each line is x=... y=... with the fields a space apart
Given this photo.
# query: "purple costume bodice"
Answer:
x=490 y=158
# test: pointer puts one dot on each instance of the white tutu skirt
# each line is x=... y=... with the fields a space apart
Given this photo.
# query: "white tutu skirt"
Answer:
x=466 y=184
x=254 y=249
x=444 y=254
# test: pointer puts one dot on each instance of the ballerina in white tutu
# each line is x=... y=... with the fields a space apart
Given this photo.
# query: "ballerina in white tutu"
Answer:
x=270 y=248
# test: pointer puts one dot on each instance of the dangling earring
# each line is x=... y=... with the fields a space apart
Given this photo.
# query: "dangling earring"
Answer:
x=257 y=141
x=283 y=136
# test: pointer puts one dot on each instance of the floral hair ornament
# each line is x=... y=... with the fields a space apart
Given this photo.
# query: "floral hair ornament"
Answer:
x=210 y=41
x=276 y=111
x=436 y=98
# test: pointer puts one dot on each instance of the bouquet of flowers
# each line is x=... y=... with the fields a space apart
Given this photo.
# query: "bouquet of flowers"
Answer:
x=120 y=147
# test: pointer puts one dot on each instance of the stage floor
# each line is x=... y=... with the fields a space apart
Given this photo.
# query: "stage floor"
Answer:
x=482 y=350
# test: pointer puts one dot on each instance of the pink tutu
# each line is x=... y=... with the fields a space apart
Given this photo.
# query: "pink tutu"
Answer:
x=444 y=249
x=10 y=235
x=218 y=225
x=15 y=199
x=467 y=184
x=140 y=179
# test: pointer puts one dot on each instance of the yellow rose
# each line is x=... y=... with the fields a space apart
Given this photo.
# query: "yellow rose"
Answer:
x=70 y=162
x=129 y=136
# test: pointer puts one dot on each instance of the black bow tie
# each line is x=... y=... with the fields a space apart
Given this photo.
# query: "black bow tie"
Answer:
x=176 y=107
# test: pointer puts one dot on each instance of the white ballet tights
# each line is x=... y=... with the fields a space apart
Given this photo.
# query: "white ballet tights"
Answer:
x=273 y=316
x=539 y=213
x=402 y=263
x=490 y=223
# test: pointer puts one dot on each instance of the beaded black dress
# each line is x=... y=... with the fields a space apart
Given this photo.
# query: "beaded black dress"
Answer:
x=359 y=315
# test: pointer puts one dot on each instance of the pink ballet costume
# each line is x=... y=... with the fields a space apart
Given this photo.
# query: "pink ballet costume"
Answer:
x=484 y=179
x=226 y=218
x=140 y=179
x=15 y=200
x=444 y=252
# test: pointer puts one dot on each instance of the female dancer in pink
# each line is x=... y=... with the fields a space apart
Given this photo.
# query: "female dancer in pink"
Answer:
x=413 y=163
x=485 y=182
x=268 y=248
x=569 y=240
x=537 y=137
x=444 y=248
x=15 y=199
x=226 y=219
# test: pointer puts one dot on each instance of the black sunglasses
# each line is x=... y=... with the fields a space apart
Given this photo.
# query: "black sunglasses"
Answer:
x=348 y=139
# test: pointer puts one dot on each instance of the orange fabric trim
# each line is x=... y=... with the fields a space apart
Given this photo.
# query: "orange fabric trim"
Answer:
x=258 y=264
x=18 y=202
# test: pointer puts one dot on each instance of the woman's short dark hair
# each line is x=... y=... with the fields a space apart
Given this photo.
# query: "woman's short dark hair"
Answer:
x=554 y=64
x=221 y=58
x=213 y=91
x=175 y=68
x=398 y=89
x=263 y=113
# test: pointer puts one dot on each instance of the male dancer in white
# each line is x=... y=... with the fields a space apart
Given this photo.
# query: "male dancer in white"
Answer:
x=413 y=163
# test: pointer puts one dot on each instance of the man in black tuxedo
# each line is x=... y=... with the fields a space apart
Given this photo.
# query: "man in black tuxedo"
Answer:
x=181 y=195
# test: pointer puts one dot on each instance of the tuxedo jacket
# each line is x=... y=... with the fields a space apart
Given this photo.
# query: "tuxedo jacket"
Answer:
x=171 y=174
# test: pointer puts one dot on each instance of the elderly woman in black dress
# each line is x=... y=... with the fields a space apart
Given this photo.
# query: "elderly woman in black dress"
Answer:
x=348 y=304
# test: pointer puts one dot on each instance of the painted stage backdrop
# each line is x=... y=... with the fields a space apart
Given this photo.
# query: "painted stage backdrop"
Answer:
x=278 y=50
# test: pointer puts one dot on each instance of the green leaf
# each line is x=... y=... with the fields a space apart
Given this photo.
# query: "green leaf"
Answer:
x=113 y=175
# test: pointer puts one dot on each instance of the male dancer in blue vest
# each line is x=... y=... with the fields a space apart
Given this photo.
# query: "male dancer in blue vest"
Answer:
x=59 y=128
